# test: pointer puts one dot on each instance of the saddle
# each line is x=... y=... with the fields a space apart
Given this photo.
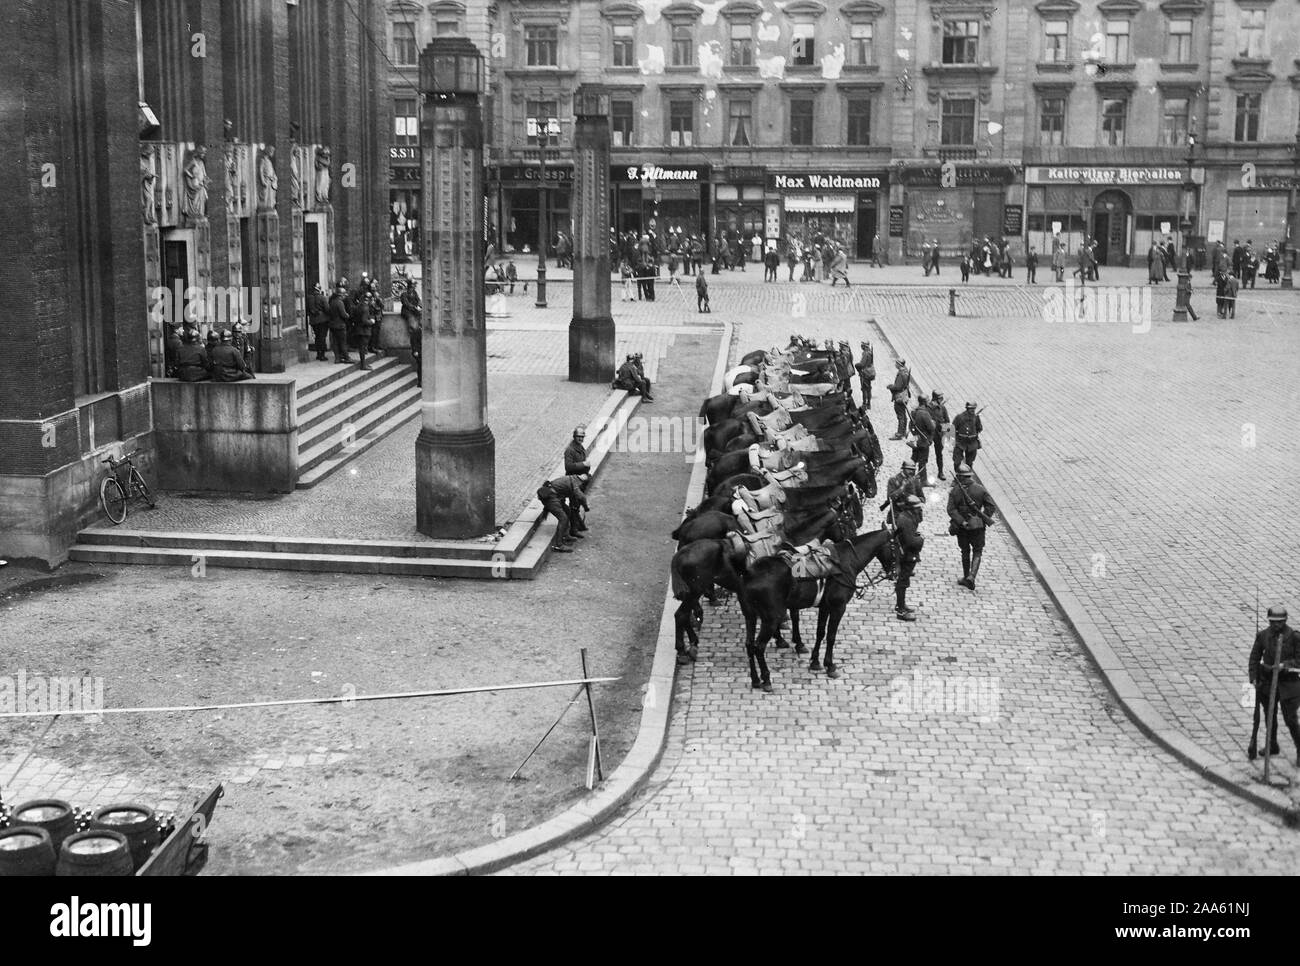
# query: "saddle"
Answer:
x=756 y=521
x=802 y=443
x=755 y=546
x=774 y=422
x=772 y=495
x=740 y=389
x=812 y=561
x=796 y=475
x=763 y=459
x=729 y=379
x=818 y=388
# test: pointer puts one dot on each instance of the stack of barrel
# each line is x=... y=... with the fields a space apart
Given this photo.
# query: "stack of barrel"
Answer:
x=50 y=837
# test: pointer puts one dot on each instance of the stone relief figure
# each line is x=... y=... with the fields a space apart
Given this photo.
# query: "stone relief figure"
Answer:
x=295 y=178
x=267 y=182
x=232 y=178
x=194 y=203
x=322 y=176
x=148 y=179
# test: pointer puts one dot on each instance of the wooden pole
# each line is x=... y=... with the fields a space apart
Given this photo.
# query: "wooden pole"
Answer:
x=595 y=730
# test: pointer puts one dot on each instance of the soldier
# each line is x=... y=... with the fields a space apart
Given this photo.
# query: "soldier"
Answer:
x=575 y=454
x=225 y=362
x=191 y=363
x=923 y=431
x=902 y=485
x=900 y=391
x=1277 y=645
x=339 y=315
x=630 y=378
x=359 y=316
x=942 y=427
x=971 y=509
x=554 y=495
x=318 y=317
x=907 y=523
x=239 y=339
x=866 y=367
x=967 y=428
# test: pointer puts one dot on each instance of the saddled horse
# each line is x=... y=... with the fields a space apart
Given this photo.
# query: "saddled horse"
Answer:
x=709 y=525
x=696 y=569
x=716 y=436
x=770 y=591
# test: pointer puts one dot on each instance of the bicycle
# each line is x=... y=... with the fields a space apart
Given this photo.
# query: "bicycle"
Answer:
x=114 y=497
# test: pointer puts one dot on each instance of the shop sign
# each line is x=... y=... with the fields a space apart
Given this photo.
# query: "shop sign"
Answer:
x=648 y=174
x=1276 y=182
x=403 y=175
x=1104 y=176
x=404 y=152
x=745 y=175
x=823 y=181
x=895 y=221
x=1013 y=220
x=966 y=175
x=555 y=174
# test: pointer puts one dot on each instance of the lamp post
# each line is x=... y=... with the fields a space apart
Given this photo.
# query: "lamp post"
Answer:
x=1183 y=295
x=1287 y=281
x=543 y=228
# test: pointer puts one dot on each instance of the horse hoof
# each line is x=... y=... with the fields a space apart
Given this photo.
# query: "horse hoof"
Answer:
x=767 y=686
x=1252 y=753
x=832 y=671
x=800 y=649
x=715 y=603
x=692 y=653
x=683 y=658
x=755 y=685
x=780 y=645
x=814 y=665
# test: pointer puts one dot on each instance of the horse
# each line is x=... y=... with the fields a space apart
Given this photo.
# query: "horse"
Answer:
x=717 y=435
x=696 y=569
x=770 y=591
x=743 y=441
x=717 y=408
x=710 y=525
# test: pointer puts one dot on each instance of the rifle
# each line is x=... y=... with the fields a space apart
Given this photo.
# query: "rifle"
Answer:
x=988 y=521
x=1271 y=726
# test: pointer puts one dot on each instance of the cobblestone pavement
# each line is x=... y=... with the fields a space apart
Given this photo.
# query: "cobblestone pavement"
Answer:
x=532 y=415
x=1022 y=763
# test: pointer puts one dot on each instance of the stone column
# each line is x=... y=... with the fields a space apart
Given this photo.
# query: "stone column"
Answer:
x=455 y=453
x=591 y=333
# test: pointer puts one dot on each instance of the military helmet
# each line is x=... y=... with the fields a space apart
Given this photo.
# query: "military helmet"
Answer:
x=212 y=336
x=900 y=363
x=1277 y=613
x=964 y=470
x=970 y=405
x=225 y=335
x=922 y=397
x=909 y=465
x=938 y=396
x=580 y=431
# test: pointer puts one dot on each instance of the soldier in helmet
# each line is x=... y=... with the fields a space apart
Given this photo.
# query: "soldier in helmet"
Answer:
x=923 y=432
x=575 y=464
x=900 y=391
x=629 y=377
x=226 y=364
x=966 y=428
x=907 y=524
x=970 y=510
x=1277 y=646
x=900 y=486
x=866 y=367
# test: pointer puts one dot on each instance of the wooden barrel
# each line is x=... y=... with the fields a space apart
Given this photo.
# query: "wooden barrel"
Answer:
x=26 y=851
x=95 y=852
x=54 y=816
x=136 y=822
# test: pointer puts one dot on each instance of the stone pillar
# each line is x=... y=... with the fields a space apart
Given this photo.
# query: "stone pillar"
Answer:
x=591 y=333
x=455 y=453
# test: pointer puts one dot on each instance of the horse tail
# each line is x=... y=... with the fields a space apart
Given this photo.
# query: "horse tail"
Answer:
x=681 y=589
x=704 y=406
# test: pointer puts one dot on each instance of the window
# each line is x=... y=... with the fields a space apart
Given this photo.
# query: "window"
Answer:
x=1051 y=121
x=1179 y=50
x=803 y=42
x=624 y=45
x=960 y=41
x=540 y=114
x=742 y=45
x=681 y=123
x=1114 y=117
x=621 y=121
x=1056 y=41
x=683 y=45
x=1248 y=117
x=862 y=44
x=1117 y=41
x=540 y=45
x=801 y=121
x=1252 y=34
x=445 y=27
x=859 y=121
x=740 y=120
x=958 y=121
x=1173 y=124
x=405 y=53
x=406 y=121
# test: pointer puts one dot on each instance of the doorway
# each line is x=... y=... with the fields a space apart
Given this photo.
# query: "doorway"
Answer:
x=1112 y=215
x=866 y=231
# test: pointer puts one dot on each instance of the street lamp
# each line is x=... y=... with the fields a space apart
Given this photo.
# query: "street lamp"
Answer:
x=1183 y=295
x=1287 y=281
x=543 y=228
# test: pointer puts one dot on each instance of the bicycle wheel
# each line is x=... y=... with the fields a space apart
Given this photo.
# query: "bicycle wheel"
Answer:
x=112 y=499
x=141 y=489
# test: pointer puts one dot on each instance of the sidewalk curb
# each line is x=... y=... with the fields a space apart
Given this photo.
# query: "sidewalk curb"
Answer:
x=632 y=773
x=1111 y=667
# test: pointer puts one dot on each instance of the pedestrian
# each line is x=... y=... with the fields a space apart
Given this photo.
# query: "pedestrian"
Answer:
x=792 y=257
x=360 y=322
x=414 y=330
x=922 y=427
x=1221 y=295
x=1233 y=285
x=375 y=310
x=970 y=512
x=772 y=262
x=512 y=275
x=339 y=317
x=866 y=367
x=900 y=391
x=702 y=294
x=626 y=274
x=1271 y=266
x=925 y=258
x=1031 y=267
x=875 y=252
x=629 y=379
x=942 y=428
x=1058 y=259
x=757 y=243
x=839 y=267
x=1238 y=253
x=1154 y=262
x=966 y=439
x=1094 y=264
x=907 y=537
x=1277 y=647
x=557 y=496
x=964 y=265
x=1249 y=265
x=226 y=362
x=318 y=317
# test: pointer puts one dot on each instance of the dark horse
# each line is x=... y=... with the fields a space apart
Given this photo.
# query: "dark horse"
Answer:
x=704 y=525
x=696 y=569
x=770 y=590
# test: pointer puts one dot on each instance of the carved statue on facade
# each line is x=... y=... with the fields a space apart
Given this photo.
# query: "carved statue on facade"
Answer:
x=267 y=182
x=194 y=202
x=295 y=178
x=148 y=179
x=322 y=176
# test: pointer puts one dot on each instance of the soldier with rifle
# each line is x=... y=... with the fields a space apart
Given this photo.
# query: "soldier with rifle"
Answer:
x=970 y=510
x=966 y=428
x=1274 y=669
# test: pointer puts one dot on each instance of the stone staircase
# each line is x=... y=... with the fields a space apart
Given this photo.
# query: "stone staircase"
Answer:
x=347 y=412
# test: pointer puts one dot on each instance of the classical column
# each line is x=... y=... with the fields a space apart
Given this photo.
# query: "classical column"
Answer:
x=455 y=454
x=591 y=333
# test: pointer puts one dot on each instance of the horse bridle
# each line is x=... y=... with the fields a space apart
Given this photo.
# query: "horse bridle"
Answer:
x=859 y=591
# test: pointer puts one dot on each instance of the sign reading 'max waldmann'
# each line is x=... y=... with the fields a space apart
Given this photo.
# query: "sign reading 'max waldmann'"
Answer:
x=821 y=181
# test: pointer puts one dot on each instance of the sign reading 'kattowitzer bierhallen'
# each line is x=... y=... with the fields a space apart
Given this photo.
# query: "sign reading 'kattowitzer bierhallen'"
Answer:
x=1102 y=175
x=823 y=182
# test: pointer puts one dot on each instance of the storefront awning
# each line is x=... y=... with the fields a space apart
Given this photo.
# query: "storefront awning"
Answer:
x=817 y=203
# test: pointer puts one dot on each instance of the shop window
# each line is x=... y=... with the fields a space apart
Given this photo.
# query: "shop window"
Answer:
x=742 y=45
x=1251 y=34
x=862 y=50
x=957 y=124
x=1114 y=121
x=681 y=123
x=1174 y=122
x=406 y=121
x=621 y=123
x=1248 y=117
x=1056 y=41
x=542 y=115
x=859 y=130
x=683 y=45
x=541 y=45
x=803 y=42
x=1051 y=121
x=961 y=41
x=624 y=45
x=405 y=52
x=1178 y=50
x=801 y=121
x=740 y=121
x=1117 y=51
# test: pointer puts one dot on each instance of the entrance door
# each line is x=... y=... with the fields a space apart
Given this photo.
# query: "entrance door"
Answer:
x=1101 y=235
x=311 y=268
x=866 y=231
x=1111 y=223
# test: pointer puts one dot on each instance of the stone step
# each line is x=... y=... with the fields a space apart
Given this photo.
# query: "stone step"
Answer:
x=371 y=391
x=356 y=432
x=201 y=543
x=311 y=395
x=524 y=568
